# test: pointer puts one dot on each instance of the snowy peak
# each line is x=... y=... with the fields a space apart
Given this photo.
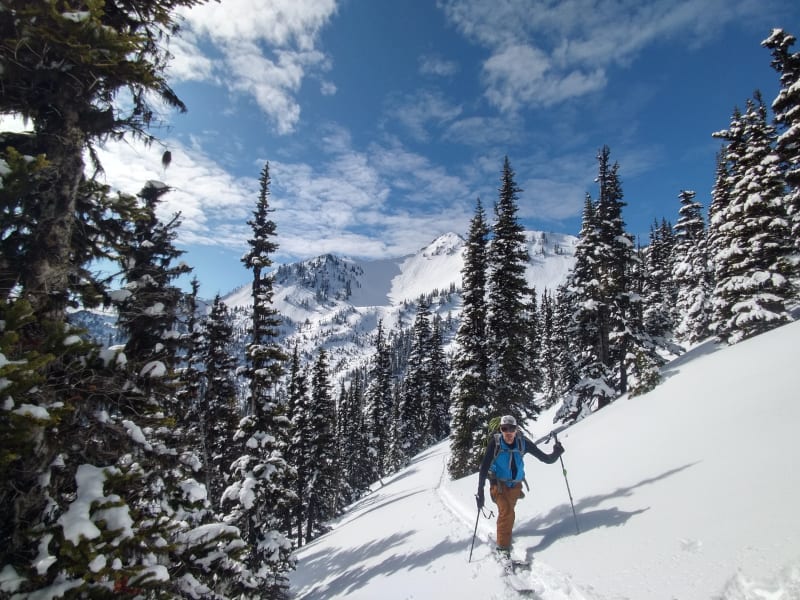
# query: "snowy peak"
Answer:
x=445 y=245
x=328 y=277
x=436 y=267
x=337 y=302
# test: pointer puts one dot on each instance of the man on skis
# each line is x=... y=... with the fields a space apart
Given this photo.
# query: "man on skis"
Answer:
x=503 y=465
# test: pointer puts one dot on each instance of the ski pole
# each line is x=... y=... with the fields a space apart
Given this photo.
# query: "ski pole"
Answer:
x=474 y=533
x=569 y=492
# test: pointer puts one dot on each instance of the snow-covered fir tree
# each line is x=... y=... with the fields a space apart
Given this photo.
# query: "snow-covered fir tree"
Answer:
x=322 y=477
x=220 y=406
x=151 y=312
x=691 y=271
x=149 y=309
x=533 y=342
x=754 y=247
x=615 y=257
x=190 y=384
x=261 y=492
x=659 y=292
x=378 y=402
x=583 y=302
x=353 y=439
x=413 y=407
x=548 y=367
x=297 y=454
x=786 y=109
x=437 y=425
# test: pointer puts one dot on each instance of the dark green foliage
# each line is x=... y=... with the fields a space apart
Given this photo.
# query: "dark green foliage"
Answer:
x=318 y=437
x=220 y=411
x=65 y=79
x=507 y=260
x=297 y=451
x=353 y=439
x=149 y=313
x=378 y=409
x=261 y=494
x=470 y=395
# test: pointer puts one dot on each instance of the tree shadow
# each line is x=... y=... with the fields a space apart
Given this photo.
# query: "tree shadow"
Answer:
x=560 y=522
x=354 y=574
x=373 y=503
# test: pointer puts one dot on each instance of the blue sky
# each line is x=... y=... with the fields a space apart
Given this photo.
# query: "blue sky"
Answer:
x=383 y=121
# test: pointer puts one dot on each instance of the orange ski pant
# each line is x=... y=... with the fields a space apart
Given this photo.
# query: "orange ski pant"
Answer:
x=506 y=499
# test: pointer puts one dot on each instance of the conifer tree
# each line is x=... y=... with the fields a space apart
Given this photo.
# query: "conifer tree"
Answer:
x=221 y=411
x=149 y=313
x=378 y=409
x=413 y=409
x=353 y=440
x=261 y=492
x=191 y=384
x=507 y=287
x=319 y=436
x=615 y=256
x=437 y=426
x=533 y=343
x=786 y=108
x=566 y=346
x=469 y=398
x=658 y=291
x=691 y=271
x=297 y=454
x=64 y=75
x=584 y=299
x=753 y=266
x=548 y=365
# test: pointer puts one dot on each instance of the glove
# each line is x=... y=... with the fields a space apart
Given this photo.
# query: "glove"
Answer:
x=558 y=448
x=479 y=499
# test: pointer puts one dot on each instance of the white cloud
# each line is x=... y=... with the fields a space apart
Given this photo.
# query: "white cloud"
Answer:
x=550 y=200
x=542 y=52
x=261 y=49
x=383 y=201
x=327 y=88
x=423 y=108
x=437 y=66
x=187 y=63
x=519 y=75
x=203 y=192
x=485 y=131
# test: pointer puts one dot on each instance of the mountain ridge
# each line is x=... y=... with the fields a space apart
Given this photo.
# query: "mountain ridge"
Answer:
x=337 y=302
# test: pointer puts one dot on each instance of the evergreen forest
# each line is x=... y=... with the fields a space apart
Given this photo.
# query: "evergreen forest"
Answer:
x=177 y=464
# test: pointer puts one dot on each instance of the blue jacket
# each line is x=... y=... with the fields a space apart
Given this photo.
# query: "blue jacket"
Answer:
x=500 y=467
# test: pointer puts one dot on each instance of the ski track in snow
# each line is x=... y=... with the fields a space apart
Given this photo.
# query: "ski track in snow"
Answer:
x=447 y=521
x=689 y=492
x=545 y=582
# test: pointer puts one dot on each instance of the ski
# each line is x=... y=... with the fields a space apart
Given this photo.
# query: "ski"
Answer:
x=514 y=574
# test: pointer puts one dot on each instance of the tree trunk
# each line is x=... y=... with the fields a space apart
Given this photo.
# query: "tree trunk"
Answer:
x=48 y=266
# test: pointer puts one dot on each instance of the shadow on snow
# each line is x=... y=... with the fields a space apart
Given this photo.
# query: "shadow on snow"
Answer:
x=561 y=523
x=353 y=573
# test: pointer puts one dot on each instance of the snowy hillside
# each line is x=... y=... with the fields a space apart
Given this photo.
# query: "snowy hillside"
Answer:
x=337 y=302
x=690 y=492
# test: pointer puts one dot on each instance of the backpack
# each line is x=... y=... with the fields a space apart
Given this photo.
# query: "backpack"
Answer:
x=494 y=425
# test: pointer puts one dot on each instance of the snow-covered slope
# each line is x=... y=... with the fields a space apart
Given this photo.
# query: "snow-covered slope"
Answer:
x=690 y=492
